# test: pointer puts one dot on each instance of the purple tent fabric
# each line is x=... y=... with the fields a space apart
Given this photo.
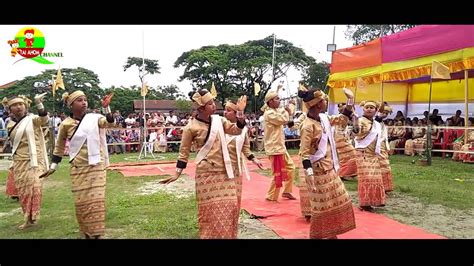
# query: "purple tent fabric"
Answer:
x=426 y=40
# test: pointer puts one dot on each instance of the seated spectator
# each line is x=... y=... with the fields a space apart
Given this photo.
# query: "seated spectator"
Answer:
x=435 y=118
x=457 y=120
x=399 y=117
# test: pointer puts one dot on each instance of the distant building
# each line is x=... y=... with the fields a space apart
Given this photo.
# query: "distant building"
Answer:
x=8 y=85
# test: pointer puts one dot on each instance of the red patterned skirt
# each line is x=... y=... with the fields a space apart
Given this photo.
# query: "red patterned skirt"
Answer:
x=29 y=188
x=10 y=186
x=217 y=199
x=88 y=188
x=386 y=171
x=347 y=161
x=331 y=208
x=370 y=182
x=304 y=197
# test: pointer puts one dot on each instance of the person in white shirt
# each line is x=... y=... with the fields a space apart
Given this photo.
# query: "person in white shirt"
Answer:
x=172 y=118
x=129 y=121
x=261 y=120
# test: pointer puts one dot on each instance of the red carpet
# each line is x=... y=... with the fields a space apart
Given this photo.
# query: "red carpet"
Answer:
x=150 y=168
x=284 y=217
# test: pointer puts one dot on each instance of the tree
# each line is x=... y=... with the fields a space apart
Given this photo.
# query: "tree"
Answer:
x=151 y=66
x=364 y=33
x=74 y=79
x=235 y=68
x=184 y=106
x=316 y=75
x=124 y=97
x=206 y=65
x=169 y=92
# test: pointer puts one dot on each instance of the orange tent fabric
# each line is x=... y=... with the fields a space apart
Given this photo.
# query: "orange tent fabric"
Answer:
x=357 y=57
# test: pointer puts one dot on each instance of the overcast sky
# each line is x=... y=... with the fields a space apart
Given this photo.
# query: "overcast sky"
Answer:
x=104 y=48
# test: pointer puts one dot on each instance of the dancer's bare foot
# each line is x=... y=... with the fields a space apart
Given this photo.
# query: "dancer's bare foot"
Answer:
x=26 y=225
x=288 y=196
x=267 y=199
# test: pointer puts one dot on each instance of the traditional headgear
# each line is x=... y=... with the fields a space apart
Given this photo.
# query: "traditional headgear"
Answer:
x=202 y=100
x=272 y=93
x=18 y=99
x=311 y=97
x=70 y=98
x=385 y=108
x=370 y=102
x=231 y=105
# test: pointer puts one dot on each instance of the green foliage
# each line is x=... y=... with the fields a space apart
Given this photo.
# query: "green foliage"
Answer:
x=169 y=92
x=235 y=68
x=316 y=75
x=124 y=97
x=74 y=79
x=87 y=81
x=184 y=106
x=151 y=66
x=365 y=33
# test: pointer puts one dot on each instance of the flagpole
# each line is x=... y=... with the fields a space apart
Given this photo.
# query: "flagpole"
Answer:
x=381 y=85
x=255 y=102
x=355 y=92
x=466 y=104
x=143 y=84
x=145 y=142
x=273 y=59
x=428 y=134
x=53 y=119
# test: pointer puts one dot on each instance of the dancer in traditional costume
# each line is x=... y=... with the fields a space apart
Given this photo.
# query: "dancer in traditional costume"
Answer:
x=239 y=149
x=88 y=157
x=216 y=189
x=275 y=118
x=385 y=168
x=345 y=151
x=368 y=142
x=30 y=159
x=331 y=208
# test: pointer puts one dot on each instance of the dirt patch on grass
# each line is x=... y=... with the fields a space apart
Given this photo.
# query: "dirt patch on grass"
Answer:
x=254 y=229
x=182 y=188
x=185 y=187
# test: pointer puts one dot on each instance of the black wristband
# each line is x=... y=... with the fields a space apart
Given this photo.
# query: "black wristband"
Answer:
x=240 y=125
x=307 y=164
x=181 y=164
x=347 y=113
x=56 y=159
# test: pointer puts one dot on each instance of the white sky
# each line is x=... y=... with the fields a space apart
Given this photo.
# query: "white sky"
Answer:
x=104 y=48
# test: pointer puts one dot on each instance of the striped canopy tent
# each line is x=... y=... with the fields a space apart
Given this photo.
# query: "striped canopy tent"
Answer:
x=397 y=69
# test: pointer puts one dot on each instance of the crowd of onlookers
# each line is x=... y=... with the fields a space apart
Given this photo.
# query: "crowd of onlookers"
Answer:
x=163 y=131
